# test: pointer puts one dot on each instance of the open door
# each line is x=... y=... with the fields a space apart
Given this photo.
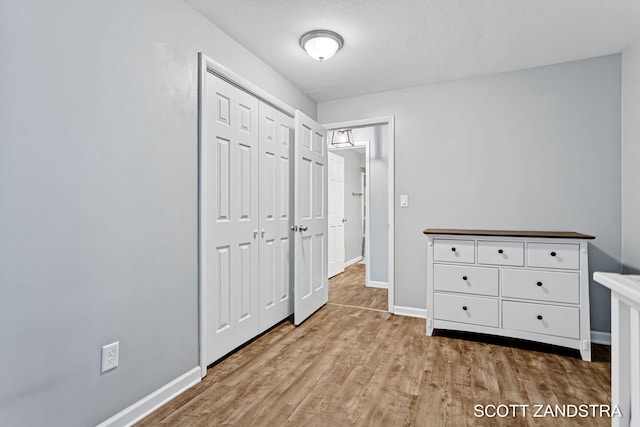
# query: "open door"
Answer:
x=310 y=218
x=336 y=217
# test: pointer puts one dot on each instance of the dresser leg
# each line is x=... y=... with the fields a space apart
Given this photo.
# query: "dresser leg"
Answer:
x=429 y=327
x=585 y=351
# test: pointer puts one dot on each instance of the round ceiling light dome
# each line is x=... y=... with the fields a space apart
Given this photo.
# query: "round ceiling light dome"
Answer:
x=321 y=44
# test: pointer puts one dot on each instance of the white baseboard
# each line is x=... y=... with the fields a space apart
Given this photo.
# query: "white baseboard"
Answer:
x=150 y=403
x=598 y=337
x=353 y=261
x=410 y=311
x=374 y=284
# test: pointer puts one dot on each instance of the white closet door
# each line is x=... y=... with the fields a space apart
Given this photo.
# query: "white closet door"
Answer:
x=275 y=216
x=336 y=214
x=229 y=217
x=310 y=216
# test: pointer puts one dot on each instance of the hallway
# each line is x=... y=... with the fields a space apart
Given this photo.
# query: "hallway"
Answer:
x=348 y=289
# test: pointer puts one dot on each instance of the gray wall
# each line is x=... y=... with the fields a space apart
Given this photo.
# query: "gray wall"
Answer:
x=631 y=159
x=530 y=149
x=98 y=199
x=353 y=162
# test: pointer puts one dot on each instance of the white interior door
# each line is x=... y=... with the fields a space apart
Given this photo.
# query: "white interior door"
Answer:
x=310 y=217
x=275 y=216
x=228 y=217
x=336 y=214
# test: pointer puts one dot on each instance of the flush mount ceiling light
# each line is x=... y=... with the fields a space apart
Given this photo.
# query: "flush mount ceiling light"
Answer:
x=321 y=44
x=342 y=138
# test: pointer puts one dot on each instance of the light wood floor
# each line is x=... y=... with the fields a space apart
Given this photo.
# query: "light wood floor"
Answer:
x=348 y=289
x=363 y=367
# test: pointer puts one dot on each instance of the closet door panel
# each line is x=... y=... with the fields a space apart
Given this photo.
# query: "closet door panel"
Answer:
x=275 y=134
x=245 y=279
x=310 y=216
x=229 y=216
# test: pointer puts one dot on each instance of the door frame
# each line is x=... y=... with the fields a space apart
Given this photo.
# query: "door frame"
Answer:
x=364 y=189
x=208 y=65
x=390 y=122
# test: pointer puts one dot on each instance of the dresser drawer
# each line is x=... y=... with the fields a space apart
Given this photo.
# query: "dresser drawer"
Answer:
x=550 y=286
x=464 y=309
x=454 y=250
x=501 y=253
x=553 y=255
x=541 y=319
x=465 y=279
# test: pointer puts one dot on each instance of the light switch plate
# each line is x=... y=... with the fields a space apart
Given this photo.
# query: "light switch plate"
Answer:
x=404 y=200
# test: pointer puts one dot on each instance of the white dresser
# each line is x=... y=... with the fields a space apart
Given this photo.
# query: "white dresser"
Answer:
x=531 y=285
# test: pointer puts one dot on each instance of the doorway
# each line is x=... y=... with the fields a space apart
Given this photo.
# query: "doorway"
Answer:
x=347 y=203
x=369 y=190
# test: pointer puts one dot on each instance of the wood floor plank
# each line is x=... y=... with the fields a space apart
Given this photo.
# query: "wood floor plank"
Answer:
x=352 y=365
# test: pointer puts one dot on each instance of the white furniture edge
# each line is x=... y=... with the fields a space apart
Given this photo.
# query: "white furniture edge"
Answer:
x=621 y=285
x=625 y=345
x=153 y=401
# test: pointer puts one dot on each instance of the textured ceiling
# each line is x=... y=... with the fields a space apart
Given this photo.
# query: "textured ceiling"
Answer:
x=392 y=44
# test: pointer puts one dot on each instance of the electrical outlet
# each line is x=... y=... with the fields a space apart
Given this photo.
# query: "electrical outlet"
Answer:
x=110 y=355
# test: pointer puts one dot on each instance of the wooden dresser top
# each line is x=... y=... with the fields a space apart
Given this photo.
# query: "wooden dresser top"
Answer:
x=509 y=233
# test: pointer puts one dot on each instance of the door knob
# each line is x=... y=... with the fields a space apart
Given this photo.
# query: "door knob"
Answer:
x=263 y=232
x=303 y=228
x=255 y=233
